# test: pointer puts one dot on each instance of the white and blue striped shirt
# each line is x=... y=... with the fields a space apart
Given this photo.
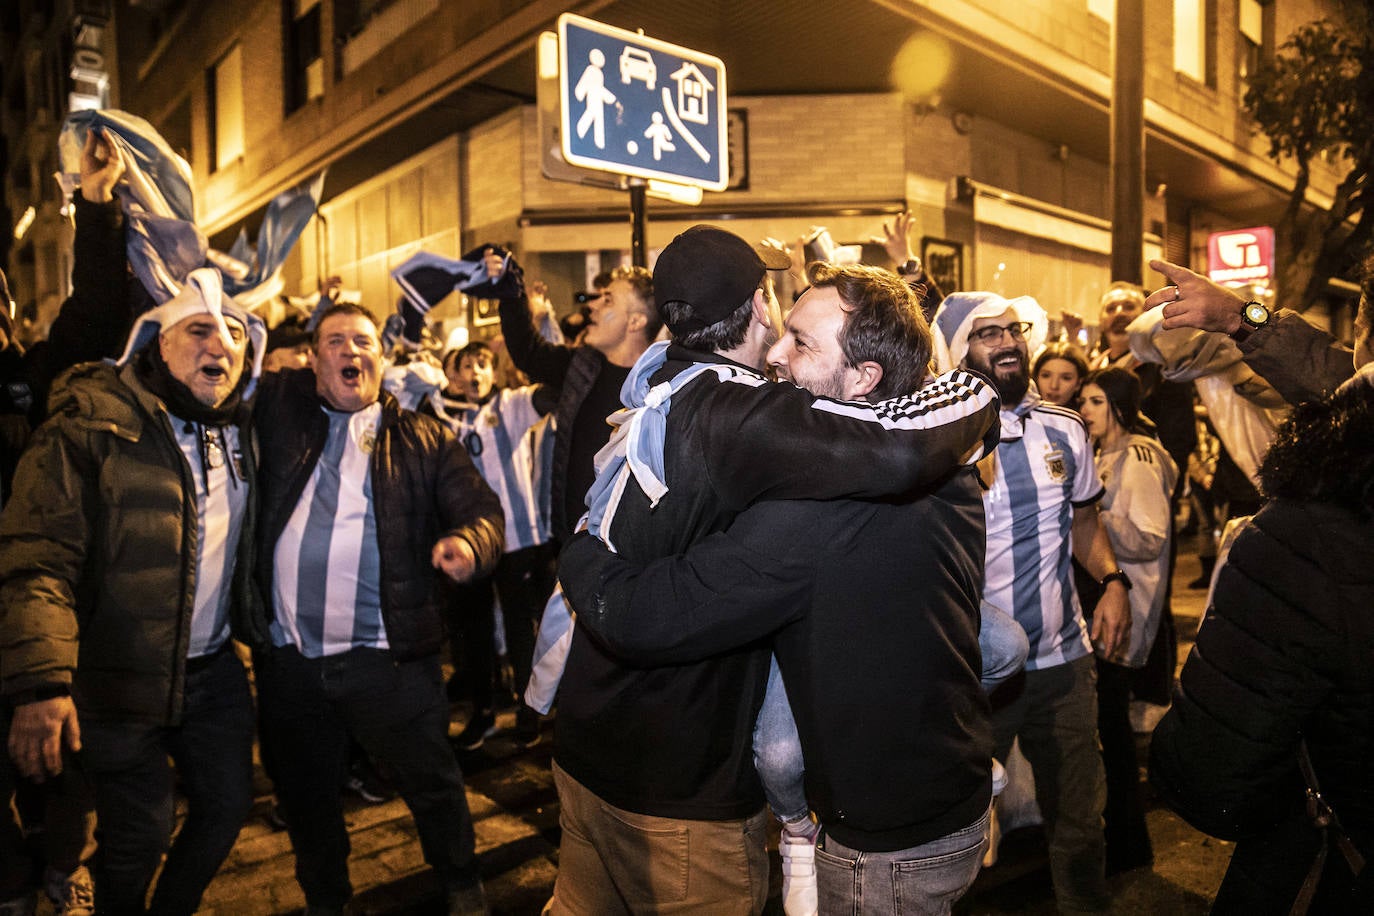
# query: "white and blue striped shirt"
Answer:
x=509 y=447
x=326 y=586
x=220 y=504
x=1044 y=470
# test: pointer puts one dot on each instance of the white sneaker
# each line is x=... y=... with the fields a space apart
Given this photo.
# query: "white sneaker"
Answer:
x=71 y=895
x=799 y=892
x=999 y=778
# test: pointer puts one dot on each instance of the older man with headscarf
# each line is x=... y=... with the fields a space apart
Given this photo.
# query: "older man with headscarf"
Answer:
x=119 y=557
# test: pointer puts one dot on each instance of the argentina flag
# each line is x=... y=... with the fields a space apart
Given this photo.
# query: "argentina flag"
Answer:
x=163 y=242
x=252 y=274
x=426 y=278
x=551 y=647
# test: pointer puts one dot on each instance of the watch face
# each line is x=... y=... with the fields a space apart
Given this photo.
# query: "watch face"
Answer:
x=1256 y=314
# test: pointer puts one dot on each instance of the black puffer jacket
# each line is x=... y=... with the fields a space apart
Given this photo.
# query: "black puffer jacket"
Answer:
x=1287 y=652
x=98 y=554
x=424 y=486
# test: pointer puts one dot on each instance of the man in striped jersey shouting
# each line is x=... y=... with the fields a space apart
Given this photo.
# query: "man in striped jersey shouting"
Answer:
x=123 y=555
x=359 y=500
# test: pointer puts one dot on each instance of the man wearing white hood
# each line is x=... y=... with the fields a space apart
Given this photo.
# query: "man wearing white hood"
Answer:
x=121 y=585
x=1039 y=486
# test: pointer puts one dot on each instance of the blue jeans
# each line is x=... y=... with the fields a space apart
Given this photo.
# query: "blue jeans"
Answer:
x=1003 y=644
x=127 y=763
x=921 y=880
x=778 y=752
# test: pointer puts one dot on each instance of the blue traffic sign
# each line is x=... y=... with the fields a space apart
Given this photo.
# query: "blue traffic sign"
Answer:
x=639 y=106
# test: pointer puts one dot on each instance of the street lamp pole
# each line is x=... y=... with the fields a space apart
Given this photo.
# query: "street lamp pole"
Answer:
x=1128 y=141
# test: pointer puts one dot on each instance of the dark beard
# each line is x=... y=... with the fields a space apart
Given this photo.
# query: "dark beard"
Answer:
x=1011 y=388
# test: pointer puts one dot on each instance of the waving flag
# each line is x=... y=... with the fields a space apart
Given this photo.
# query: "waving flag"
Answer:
x=164 y=245
x=426 y=278
x=252 y=275
x=551 y=647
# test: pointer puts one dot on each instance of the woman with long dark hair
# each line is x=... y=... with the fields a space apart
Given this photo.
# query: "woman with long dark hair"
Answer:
x=1138 y=476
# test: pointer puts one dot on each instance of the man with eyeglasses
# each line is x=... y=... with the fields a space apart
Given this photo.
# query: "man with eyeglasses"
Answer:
x=1041 y=484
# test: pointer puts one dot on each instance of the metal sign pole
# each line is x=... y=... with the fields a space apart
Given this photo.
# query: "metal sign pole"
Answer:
x=639 y=252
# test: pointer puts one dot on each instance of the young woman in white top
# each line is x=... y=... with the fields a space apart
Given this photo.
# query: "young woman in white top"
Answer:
x=1138 y=476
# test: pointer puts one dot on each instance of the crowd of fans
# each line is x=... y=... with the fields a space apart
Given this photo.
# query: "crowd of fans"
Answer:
x=841 y=560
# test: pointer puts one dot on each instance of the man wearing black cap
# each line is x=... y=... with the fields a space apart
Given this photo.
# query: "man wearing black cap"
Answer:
x=661 y=806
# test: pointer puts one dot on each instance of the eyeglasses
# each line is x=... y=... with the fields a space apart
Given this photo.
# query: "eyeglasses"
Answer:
x=993 y=332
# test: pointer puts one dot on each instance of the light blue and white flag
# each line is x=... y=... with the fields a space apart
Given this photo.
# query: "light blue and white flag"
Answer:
x=252 y=274
x=163 y=242
x=551 y=647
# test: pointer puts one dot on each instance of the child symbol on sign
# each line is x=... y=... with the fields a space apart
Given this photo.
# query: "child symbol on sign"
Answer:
x=661 y=136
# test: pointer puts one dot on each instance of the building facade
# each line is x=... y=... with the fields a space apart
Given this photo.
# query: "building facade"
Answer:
x=988 y=118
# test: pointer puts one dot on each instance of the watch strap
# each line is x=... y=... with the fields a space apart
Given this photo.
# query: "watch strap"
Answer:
x=1117 y=575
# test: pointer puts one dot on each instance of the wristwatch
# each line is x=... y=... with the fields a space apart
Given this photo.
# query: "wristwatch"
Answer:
x=1253 y=316
x=1119 y=575
x=911 y=267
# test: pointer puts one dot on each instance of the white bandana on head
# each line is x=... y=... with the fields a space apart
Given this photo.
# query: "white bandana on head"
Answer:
x=954 y=320
x=203 y=292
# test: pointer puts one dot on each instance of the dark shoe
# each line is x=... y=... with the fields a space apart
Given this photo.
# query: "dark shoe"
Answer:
x=366 y=783
x=275 y=820
x=475 y=733
x=468 y=901
x=1205 y=580
x=526 y=727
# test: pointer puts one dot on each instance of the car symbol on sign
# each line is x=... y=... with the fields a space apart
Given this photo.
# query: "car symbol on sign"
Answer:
x=636 y=63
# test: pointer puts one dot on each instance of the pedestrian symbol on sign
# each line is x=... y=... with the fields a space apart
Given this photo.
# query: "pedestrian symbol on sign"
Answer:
x=591 y=88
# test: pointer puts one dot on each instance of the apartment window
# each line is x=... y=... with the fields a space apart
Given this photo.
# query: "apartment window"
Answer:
x=304 y=63
x=351 y=15
x=1194 y=28
x=225 y=81
x=176 y=128
x=1256 y=40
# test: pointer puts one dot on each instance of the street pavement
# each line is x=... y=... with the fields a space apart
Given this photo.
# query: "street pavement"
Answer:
x=515 y=809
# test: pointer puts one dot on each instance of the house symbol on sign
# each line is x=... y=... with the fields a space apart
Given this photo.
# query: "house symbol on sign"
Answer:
x=692 y=90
